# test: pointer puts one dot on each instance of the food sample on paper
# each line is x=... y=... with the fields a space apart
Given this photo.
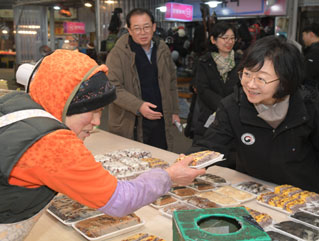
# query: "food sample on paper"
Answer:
x=201 y=185
x=203 y=157
x=213 y=179
x=252 y=187
x=263 y=219
x=298 y=229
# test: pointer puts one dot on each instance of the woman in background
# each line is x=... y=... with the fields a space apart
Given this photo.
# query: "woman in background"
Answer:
x=216 y=74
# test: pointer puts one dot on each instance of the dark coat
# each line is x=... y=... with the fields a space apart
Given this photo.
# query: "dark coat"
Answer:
x=211 y=88
x=123 y=74
x=288 y=154
x=312 y=63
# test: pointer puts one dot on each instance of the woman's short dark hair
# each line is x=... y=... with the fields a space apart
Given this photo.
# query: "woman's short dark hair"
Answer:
x=220 y=28
x=138 y=11
x=285 y=57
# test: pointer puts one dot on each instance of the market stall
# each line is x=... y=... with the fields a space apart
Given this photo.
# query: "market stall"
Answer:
x=100 y=142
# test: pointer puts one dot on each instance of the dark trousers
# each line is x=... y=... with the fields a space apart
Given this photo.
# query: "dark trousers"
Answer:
x=154 y=133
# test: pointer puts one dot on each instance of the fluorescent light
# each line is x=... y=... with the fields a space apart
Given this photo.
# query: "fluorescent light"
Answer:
x=56 y=7
x=109 y=1
x=162 y=9
x=4 y=31
x=88 y=5
x=213 y=4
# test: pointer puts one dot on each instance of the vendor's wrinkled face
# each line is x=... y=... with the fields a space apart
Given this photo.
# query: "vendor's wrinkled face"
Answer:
x=260 y=86
x=82 y=124
x=225 y=42
x=142 y=29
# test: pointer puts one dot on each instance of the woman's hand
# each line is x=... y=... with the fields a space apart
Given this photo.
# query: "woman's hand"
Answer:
x=180 y=173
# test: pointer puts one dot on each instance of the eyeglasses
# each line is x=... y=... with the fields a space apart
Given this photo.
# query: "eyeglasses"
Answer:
x=260 y=82
x=146 y=29
x=226 y=39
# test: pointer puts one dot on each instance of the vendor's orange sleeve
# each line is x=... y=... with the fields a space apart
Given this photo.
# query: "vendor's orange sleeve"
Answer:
x=60 y=161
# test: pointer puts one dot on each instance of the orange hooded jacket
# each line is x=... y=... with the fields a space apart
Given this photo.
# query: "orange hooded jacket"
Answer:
x=60 y=160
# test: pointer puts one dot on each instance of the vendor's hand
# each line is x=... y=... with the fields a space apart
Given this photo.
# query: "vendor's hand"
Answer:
x=148 y=113
x=181 y=173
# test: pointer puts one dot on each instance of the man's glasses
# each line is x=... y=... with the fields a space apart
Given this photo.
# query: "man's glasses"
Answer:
x=146 y=29
x=227 y=39
x=260 y=82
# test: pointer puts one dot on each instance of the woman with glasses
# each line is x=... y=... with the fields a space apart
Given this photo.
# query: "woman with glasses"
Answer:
x=272 y=121
x=216 y=74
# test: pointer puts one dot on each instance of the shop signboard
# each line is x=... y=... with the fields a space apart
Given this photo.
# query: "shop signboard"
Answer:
x=251 y=7
x=179 y=12
x=74 y=27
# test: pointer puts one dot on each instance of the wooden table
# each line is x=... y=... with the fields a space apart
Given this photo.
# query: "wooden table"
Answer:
x=50 y=229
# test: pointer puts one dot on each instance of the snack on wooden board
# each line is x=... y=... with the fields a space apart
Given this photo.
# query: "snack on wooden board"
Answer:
x=263 y=219
x=104 y=224
x=164 y=200
x=200 y=202
x=143 y=237
x=69 y=210
x=234 y=193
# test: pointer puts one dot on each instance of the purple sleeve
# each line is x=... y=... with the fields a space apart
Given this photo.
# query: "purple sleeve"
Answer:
x=132 y=195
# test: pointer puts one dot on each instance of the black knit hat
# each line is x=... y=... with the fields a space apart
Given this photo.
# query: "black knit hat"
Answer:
x=93 y=94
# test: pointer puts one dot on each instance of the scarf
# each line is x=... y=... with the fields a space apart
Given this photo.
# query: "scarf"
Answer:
x=224 y=65
x=273 y=114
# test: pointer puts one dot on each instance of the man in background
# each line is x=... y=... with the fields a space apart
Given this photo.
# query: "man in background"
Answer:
x=310 y=36
x=141 y=68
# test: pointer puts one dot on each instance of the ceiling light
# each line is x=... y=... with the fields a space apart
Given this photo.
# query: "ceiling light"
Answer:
x=88 y=4
x=162 y=9
x=56 y=7
x=213 y=4
x=5 y=31
x=109 y=1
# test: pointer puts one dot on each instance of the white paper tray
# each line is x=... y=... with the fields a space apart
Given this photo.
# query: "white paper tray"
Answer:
x=210 y=162
x=70 y=223
x=286 y=233
x=240 y=200
x=220 y=204
x=169 y=215
x=271 y=228
x=110 y=235
x=303 y=222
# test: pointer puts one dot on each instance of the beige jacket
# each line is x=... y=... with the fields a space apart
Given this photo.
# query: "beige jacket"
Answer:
x=123 y=74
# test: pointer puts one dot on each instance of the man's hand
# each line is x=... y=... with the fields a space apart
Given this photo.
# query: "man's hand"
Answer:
x=175 y=118
x=181 y=173
x=148 y=113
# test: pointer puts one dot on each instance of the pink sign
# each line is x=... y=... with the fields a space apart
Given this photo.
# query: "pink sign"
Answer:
x=178 y=11
x=74 y=27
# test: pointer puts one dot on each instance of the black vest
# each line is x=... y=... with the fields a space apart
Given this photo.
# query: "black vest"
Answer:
x=20 y=203
x=148 y=74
